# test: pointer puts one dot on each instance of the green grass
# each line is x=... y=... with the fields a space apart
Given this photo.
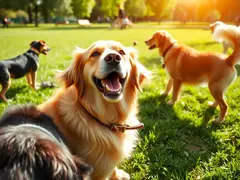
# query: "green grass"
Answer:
x=176 y=143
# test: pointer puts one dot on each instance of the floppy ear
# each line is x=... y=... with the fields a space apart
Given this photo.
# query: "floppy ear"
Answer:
x=42 y=42
x=33 y=42
x=73 y=75
x=138 y=73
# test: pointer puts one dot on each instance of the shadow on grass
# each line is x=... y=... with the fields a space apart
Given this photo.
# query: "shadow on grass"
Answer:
x=172 y=146
x=17 y=26
x=63 y=28
x=208 y=43
x=13 y=90
x=208 y=114
x=23 y=89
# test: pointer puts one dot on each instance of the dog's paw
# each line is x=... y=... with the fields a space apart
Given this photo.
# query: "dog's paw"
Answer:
x=37 y=87
x=119 y=174
x=212 y=104
x=163 y=94
x=218 y=121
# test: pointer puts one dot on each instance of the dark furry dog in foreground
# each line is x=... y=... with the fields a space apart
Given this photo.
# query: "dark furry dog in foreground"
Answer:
x=32 y=148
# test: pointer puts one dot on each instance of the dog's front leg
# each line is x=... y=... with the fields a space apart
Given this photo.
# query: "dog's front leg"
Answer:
x=168 y=88
x=5 y=87
x=29 y=79
x=119 y=174
x=34 y=79
x=176 y=88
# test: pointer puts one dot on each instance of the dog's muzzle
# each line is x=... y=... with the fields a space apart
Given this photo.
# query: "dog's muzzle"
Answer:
x=112 y=84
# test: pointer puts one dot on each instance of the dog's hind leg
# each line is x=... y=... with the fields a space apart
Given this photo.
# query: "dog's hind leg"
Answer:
x=217 y=93
x=5 y=87
x=168 y=88
x=176 y=88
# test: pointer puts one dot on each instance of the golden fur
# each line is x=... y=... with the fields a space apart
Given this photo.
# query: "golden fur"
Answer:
x=75 y=105
x=186 y=65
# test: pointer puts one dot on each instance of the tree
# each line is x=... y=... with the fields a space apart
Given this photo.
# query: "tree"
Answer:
x=162 y=9
x=58 y=7
x=135 y=8
x=11 y=4
x=63 y=8
x=82 y=8
x=229 y=9
x=109 y=7
x=19 y=4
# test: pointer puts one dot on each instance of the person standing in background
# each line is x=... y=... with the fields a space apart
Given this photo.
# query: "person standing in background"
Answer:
x=5 y=22
x=119 y=21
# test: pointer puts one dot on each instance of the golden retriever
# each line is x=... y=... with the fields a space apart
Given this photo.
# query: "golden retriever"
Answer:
x=97 y=106
x=187 y=65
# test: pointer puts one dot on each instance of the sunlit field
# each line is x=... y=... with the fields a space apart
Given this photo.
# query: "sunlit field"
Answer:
x=177 y=142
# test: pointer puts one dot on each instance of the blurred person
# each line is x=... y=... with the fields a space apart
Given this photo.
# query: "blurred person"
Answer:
x=120 y=19
x=127 y=22
x=99 y=19
x=5 y=22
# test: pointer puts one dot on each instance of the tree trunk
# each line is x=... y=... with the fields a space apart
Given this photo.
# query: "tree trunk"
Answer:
x=46 y=19
x=29 y=10
x=45 y=15
x=36 y=15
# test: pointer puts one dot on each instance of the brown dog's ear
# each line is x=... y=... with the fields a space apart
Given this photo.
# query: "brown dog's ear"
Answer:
x=33 y=42
x=42 y=42
x=138 y=73
x=73 y=75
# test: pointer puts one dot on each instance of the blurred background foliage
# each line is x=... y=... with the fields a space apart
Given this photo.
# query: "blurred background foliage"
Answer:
x=47 y=11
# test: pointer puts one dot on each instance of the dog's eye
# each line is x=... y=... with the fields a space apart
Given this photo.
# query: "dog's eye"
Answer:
x=121 y=52
x=95 y=54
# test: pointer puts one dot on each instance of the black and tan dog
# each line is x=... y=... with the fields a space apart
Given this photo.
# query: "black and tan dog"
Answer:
x=32 y=148
x=24 y=64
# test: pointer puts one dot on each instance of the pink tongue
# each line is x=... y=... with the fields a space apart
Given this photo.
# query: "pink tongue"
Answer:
x=113 y=83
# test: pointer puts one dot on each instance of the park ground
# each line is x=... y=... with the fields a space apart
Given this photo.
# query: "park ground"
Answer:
x=177 y=142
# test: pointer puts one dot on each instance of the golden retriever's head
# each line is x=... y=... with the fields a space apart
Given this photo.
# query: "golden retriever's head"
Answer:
x=106 y=71
x=160 y=39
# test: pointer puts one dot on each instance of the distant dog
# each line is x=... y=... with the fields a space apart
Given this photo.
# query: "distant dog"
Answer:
x=32 y=148
x=186 y=65
x=212 y=27
x=25 y=64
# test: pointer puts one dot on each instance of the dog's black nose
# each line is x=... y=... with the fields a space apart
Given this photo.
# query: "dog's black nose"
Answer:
x=112 y=58
x=145 y=42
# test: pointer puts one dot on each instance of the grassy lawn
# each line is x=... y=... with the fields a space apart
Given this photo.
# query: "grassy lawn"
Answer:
x=176 y=143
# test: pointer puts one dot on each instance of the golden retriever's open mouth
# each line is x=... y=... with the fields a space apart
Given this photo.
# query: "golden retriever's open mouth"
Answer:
x=111 y=86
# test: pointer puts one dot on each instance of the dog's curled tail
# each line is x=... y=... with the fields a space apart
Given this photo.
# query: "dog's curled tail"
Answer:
x=229 y=34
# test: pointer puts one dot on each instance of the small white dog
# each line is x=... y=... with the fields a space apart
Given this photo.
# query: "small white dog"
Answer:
x=212 y=27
